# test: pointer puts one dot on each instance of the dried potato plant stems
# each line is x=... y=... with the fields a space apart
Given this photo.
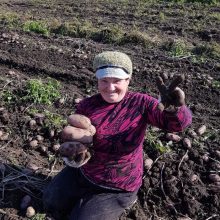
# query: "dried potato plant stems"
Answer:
x=27 y=107
x=6 y=85
x=52 y=169
x=168 y=200
x=18 y=180
x=5 y=145
x=8 y=214
x=181 y=161
x=155 y=161
x=213 y=216
x=214 y=159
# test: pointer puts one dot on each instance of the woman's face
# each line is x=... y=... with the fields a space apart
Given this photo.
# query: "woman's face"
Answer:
x=113 y=89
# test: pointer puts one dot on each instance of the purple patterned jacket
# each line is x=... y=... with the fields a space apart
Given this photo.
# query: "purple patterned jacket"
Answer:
x=120 y=129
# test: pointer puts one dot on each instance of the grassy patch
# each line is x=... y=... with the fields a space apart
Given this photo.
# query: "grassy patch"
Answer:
x=54 y=120
x=40 y=92
x=138 y=37
x=73 y=29
x=177 y=48
x=162 y=16
x=38 y=27
x=210 y=2
x=216 y=84
x=7 y=96
x=111 y=34
x=39 y=216
x=211 y=50
x=216 y=16
x=10 y=19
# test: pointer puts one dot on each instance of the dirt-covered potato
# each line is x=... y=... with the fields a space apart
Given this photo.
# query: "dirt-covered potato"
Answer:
x=74 y=154
x=68 y=149
x=79 y=121
x=71 y=133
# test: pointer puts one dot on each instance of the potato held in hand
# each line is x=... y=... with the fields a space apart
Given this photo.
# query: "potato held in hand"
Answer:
x=79 y=121
x=71 y=133
x=80 y=129
x=74 y=153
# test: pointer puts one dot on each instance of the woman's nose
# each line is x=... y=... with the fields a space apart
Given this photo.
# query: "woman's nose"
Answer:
x=111 y=86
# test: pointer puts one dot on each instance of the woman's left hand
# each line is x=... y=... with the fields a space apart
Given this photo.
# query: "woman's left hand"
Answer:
x=171 y=96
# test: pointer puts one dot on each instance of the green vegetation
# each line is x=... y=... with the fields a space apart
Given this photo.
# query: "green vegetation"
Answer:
x=194 y=1
x=32 y=111
x=39 y=216
x=138 y=37
x=215 y=16
x=34 y=90
x=54 y=120
x=10 y=19
x=208 y=50
x=177 y=48
x=8 y=97
x=51 y=120
x=108 y=35
x=162 y=16
x=73 y=29
x=216 y=84
x=37 y=27
x=153 y=142
x=42 y=92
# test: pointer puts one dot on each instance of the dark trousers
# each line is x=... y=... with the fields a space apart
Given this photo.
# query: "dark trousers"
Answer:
x=70 y=194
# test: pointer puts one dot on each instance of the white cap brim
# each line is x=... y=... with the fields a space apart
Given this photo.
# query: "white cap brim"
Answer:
x=112 y=72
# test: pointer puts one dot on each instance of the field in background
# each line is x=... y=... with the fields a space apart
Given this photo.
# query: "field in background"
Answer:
x=46 y=53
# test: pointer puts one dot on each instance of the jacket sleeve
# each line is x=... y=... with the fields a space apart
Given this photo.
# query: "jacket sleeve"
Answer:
x=172 y=122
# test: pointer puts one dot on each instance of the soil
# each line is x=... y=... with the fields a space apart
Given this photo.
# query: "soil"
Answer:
x=178 y=185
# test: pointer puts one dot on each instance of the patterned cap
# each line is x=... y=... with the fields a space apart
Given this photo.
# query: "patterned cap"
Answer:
x=112 y=64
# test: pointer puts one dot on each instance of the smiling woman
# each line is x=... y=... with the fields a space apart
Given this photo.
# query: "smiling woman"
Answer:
x=113 y=77
x=113 y=89
x=109 y=181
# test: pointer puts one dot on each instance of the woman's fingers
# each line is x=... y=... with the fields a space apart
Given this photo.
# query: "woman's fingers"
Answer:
x=178 y=97
x=161 y=86
x=175 y=82
x=170 y=95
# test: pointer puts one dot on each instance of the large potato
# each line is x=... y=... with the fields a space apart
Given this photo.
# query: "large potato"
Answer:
x=79 y=121
x=74 y=153
x=71 y=133
x=92 y=129
x=78 y=161
x=70 y=149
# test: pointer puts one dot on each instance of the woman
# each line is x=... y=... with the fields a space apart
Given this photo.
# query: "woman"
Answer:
x=108 y=183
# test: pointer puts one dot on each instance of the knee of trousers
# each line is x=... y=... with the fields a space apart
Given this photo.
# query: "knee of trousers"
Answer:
x=51 y=200
x=47 y=200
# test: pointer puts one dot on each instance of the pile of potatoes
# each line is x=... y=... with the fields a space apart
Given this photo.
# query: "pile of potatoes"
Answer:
x=76 y=136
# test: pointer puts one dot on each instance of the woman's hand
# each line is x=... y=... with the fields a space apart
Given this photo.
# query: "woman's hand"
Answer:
x=171 y=96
